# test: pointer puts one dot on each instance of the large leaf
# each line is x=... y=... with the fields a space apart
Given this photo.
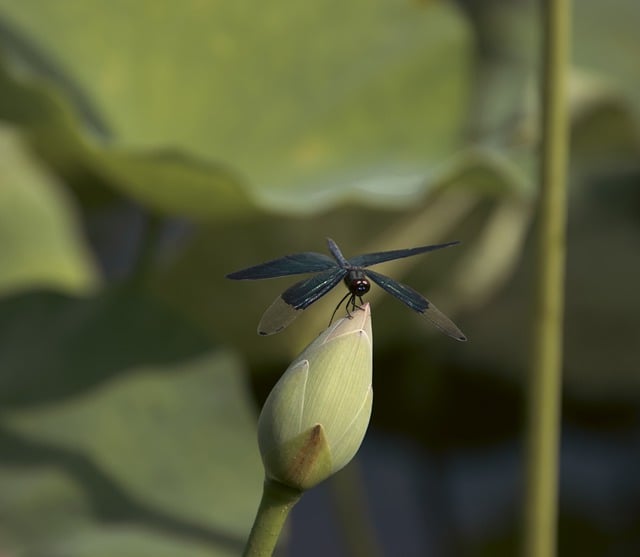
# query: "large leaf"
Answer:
x=40 y=233
x=141 y=437
x=327 y=96
x=165 y=180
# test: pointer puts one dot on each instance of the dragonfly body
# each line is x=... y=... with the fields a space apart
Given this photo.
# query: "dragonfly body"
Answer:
x=355 y=279
x=330 y=271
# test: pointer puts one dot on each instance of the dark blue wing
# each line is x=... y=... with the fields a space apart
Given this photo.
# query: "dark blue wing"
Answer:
x=418 y=303
x=302 y=294
x=368 y=259
x=295 y=299
x=296 y=264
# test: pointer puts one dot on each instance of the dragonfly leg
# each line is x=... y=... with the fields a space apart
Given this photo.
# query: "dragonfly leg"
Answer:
x=339 y=304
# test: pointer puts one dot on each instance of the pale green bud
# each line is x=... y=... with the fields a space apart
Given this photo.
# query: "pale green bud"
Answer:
x=315 y=418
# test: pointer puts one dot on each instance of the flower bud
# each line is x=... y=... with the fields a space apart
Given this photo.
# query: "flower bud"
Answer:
x=315 y=418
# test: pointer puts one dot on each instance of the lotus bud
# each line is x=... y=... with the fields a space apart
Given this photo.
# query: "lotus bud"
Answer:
x=315 y=418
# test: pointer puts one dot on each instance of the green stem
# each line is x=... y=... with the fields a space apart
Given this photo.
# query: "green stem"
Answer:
x=277 y=501
x=546 y=366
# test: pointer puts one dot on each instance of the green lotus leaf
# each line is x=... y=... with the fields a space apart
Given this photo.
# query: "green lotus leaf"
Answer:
x=333 y=100
x=122 y=430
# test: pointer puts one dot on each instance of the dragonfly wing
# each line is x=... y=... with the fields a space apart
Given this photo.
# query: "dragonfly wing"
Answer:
x=297 y=298
x=418 y=303
x=368 y=259
x=295 y=264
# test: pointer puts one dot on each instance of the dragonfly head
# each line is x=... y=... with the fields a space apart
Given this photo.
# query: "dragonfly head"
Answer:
x=357 y=283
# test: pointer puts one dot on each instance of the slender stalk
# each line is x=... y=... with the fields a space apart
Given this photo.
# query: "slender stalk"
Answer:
x=546 y=366
x=275 y=505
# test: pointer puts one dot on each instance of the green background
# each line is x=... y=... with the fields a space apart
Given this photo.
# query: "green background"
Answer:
x=147 y=148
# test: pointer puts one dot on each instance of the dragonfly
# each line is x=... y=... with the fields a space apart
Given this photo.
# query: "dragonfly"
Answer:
x=330 y=271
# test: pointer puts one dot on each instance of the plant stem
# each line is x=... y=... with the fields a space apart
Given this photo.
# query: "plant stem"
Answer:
x=277 y=500
x=546 y=366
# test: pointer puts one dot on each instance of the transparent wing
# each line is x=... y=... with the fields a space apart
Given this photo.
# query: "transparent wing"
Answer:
x=418 y=303
x=368 y=259
x=293 y=301
x=295 y=264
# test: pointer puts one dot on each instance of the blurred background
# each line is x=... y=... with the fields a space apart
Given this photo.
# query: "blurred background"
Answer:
x=149 y=147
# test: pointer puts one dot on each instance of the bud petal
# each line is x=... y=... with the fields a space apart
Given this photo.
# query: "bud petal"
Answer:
x=315 y=418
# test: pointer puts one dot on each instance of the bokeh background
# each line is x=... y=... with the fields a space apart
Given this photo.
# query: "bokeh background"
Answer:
x=148 y=147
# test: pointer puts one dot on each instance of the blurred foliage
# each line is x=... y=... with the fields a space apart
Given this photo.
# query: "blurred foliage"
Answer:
x=126 y=426
x=50 y=252
x=119 y=422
